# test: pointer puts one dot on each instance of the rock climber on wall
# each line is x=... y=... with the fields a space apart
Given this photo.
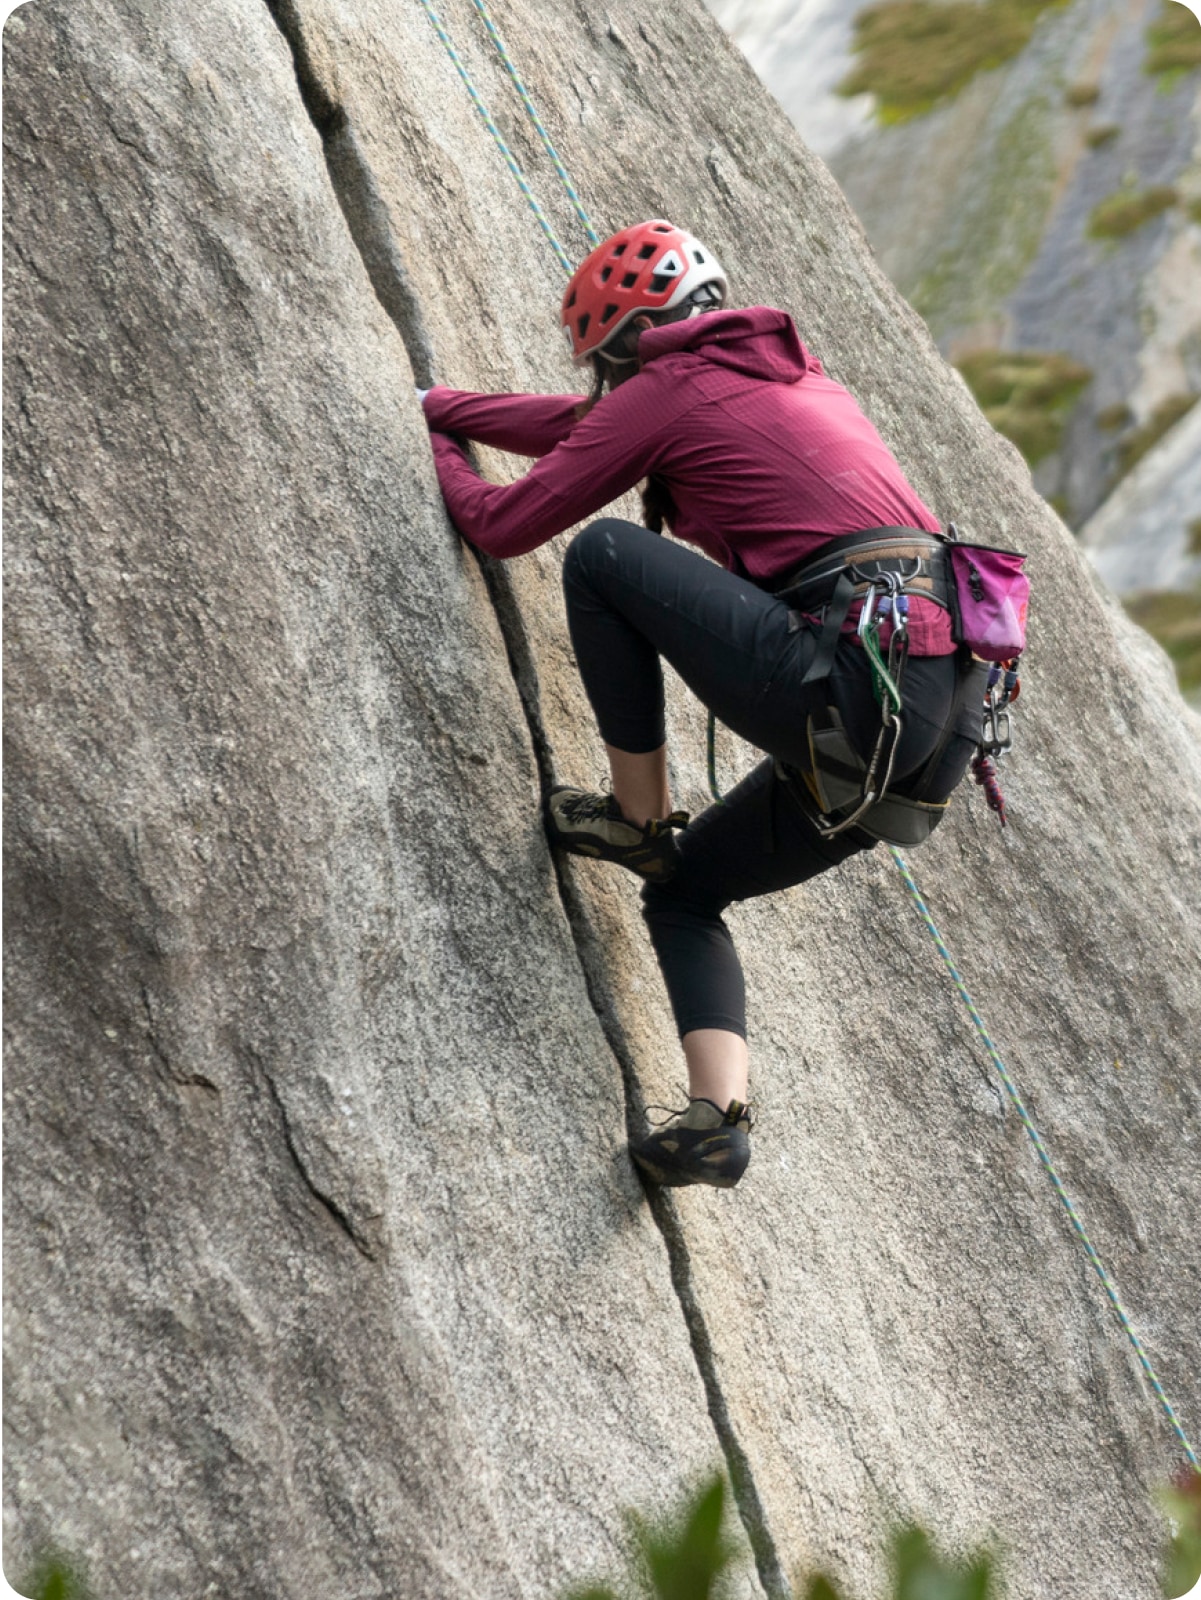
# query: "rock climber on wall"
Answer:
x=826 y=589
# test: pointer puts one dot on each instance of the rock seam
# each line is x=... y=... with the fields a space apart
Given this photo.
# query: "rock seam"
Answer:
x=358 y=197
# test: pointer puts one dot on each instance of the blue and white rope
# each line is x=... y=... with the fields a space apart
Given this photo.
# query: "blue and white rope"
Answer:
x=565 y=180
x=510 y=158
x=1107 y=1282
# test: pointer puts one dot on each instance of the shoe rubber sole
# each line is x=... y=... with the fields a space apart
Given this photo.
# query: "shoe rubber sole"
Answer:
x=717 y=1160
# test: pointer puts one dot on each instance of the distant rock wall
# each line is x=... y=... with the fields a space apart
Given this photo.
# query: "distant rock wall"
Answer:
x=326 y=1272
x=981 y=210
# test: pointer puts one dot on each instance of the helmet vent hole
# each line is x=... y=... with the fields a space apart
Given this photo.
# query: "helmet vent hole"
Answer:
x=698 y=258
x=630 y=279
x=608 y=314
x=660 y=281
x=606 y=274
x=620 y=249
x=571 y=301
x=646 y=252
x=663 y=227
x=582 y=324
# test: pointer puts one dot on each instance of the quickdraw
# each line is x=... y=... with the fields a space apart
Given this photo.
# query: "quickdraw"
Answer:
x=996 y=739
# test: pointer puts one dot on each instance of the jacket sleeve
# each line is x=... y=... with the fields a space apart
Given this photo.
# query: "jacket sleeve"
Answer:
x=523 y=424
x=614 y=446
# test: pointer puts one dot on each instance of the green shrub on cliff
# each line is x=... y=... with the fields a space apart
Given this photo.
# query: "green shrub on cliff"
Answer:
x=1121 y=213
x=1027 y=395
x=1173 y=44
x=1173 y=618
x=1166 y=415
x=912 y=54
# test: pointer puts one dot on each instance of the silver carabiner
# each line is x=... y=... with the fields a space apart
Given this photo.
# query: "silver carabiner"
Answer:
x=998 y=726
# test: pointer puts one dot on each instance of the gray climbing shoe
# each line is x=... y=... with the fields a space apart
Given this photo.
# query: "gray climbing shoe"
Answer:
x=702 y=1144
x=592 y=825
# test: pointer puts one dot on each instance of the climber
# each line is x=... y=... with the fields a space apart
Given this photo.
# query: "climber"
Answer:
x=753 y=454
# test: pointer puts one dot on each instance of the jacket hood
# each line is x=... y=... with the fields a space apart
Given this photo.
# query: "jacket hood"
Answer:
x=758 y=342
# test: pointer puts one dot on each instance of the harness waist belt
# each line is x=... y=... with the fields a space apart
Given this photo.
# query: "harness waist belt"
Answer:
x=919 y=558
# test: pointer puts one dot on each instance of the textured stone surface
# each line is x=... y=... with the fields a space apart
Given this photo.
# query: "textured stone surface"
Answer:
x=890 y=1316
x=322 y=1279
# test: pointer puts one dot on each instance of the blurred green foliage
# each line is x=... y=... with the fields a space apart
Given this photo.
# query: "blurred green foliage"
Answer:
x=1027 y=395
x=1121 y=213
x=685 y=1557
x=1173 y=44
x=688 y=1556
x=1166 y=415
x=1182 y=1502
x=920 y=1573
x=1173 y=618
x=1111 y=418
x=54 y=1578
x=912 y=54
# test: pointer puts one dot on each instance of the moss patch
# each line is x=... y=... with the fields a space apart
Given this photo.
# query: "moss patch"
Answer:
x=912 y=54
x=1121 y=213
x=1193 y=210
x=1103 y=133
x=1193 y=545
x=1166 y=414
x=1027 y=395
x=995 y=235
x=1114 y=417
x=1083 y=94
x=1173 y=617
x=1173 y=44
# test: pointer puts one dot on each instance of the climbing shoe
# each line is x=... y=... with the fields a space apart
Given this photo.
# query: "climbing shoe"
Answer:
x=592 y=825
x=703 y=1144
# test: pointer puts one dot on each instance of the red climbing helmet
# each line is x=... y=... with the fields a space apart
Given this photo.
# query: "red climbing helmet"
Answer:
x=653 y=266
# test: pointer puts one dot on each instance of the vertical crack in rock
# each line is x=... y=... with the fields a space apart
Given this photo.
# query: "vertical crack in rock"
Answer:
x=362 y=1244
x=366 y=217
x=358 y=196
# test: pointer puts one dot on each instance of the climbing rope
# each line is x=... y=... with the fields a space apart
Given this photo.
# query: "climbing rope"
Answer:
x=564 y=179
x=1107 y=1282
x=1019 y=1105
x=510 y=158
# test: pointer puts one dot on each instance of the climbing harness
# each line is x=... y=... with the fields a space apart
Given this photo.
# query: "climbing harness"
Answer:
x=988 y=606
x=881 y=569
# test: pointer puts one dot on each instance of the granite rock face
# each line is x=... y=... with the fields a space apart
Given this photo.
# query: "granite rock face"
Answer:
x=326 y=1273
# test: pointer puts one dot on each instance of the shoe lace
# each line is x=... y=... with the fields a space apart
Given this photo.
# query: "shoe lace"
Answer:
x=678 y=1111
x=668 y=1113
x=587 y=807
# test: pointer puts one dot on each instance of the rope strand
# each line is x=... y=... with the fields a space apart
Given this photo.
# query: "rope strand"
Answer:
x=510 y=158
x=1107 y=1282
x=590 y=231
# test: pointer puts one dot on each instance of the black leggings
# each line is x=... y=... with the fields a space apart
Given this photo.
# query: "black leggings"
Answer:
x=633 y=597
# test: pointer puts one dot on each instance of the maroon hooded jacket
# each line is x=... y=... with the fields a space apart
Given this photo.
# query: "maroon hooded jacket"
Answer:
x=765 y=456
